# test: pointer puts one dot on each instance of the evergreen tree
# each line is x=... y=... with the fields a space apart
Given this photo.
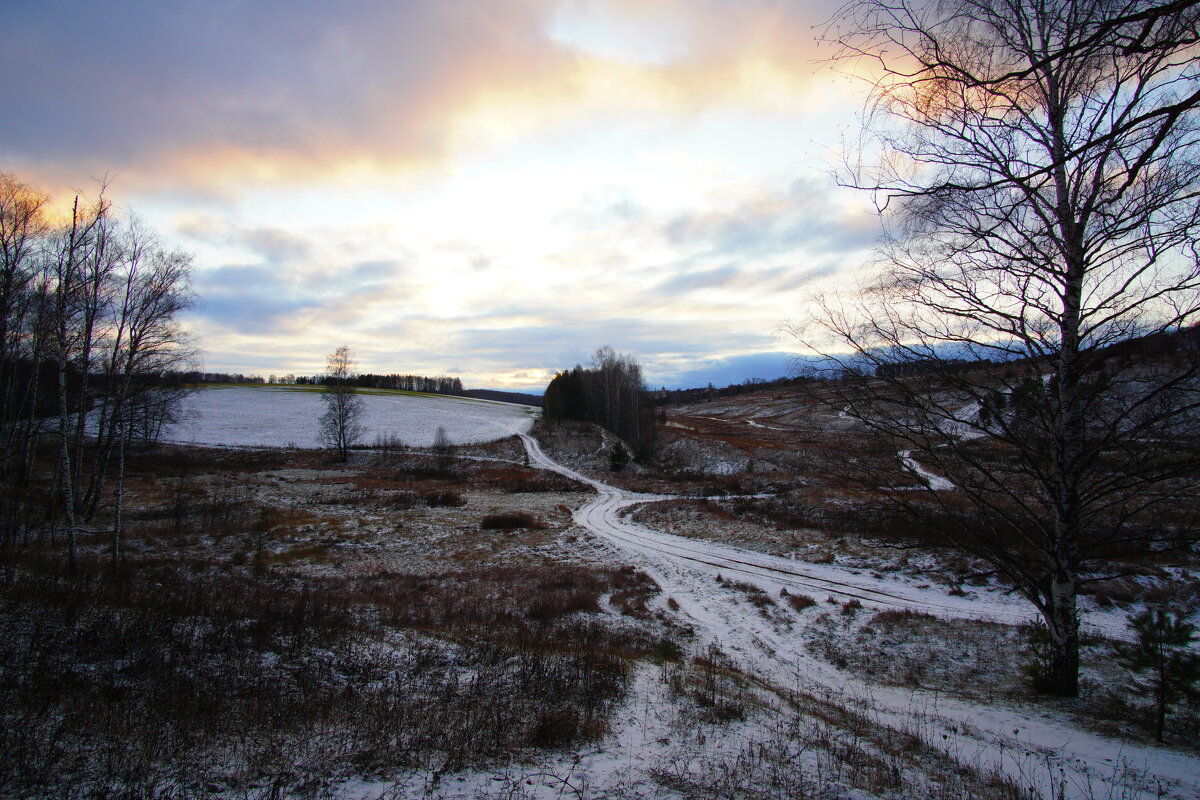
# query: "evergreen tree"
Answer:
x=1161 y=650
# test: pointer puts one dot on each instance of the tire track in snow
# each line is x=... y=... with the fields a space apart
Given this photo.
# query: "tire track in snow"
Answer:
x=1036 y=751
x=602 y=516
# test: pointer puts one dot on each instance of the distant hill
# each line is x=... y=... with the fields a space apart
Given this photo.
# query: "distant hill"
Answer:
x=505 y=397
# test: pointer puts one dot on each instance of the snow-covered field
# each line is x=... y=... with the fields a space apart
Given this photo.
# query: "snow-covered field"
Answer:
x=282 y=417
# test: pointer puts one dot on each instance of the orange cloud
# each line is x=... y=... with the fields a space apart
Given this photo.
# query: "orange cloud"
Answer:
x=273 y=92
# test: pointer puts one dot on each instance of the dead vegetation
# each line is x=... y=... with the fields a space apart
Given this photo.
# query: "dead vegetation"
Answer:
x=511 y=520
x=161 y=680
x=281 y=624
x=397 y=613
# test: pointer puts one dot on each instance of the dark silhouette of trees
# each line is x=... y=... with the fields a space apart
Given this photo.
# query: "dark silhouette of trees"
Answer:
x=411 y=383
x=89 y=329
x=1039 y=169
x=610 y=392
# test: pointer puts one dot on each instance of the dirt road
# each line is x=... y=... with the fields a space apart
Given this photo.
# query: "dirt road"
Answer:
x=1044 y=752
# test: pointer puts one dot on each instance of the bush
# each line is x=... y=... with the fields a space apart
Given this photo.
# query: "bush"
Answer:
x=511 y=520
x=618 y=457
x=799 y=602
x=443 y=498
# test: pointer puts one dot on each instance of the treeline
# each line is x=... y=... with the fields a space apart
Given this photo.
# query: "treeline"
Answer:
x=87 y=332
x=406 y=383
x=710 y=392
x=1160 y=343
x=519 y=398
x=610 y=392
x=197 y=377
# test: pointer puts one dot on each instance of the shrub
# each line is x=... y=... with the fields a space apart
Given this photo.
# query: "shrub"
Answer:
x=1036 y=661
x=618 y=457
x=799 y=602
x=510 y=520
x=757 y=597
x=668 y=650
x=443 y=498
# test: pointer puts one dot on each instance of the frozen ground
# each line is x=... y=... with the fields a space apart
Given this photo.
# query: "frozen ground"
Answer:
x=731 y=598
x=708 y=581
x=284 y=417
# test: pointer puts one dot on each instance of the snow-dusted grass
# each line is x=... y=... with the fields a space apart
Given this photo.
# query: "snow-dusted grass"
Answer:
x=739 y=674
x=269 y=416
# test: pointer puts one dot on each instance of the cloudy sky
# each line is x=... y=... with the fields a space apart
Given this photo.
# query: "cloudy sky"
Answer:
x=483 y=188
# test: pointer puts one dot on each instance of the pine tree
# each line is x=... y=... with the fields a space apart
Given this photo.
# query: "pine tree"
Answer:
x=618 y=457
x=1162 y=650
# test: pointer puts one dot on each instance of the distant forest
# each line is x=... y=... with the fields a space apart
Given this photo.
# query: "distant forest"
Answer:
x=1155 y=344
x=609 y=392
x=710 y=392
x=406 y=383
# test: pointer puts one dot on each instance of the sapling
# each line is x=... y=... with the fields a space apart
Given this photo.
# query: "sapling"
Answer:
x=618 y=457
x=1161 y=650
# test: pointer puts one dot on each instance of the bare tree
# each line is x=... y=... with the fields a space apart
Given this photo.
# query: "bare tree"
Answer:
x=341 y=425
x=23 y=225
x=89 y=327
x=1038 y=167
x=443 y=450
x=142 y=341
x=79 y=267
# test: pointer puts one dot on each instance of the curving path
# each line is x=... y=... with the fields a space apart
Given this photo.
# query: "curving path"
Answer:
x=1036 y=751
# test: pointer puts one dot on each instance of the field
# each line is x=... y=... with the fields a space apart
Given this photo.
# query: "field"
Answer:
x=269 y=416
x=736 y=619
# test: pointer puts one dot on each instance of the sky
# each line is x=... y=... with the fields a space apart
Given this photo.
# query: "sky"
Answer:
x=490 y=189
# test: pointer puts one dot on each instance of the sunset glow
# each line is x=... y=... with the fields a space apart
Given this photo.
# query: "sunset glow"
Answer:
x=484 y=190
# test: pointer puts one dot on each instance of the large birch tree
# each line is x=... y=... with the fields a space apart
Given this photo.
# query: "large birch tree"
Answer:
x=1037 y=165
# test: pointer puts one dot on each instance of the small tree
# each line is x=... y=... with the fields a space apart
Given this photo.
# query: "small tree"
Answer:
x=1162 y=650
x=341 y=425
x=442 y=450
x=618 y=457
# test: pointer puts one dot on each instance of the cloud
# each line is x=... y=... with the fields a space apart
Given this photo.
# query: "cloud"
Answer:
x=574 y=187
x=272 y=244
x=277 y=245
x=730 y=276
x=264 y=84
x=731 y=369
x=206 y=91
x=251 y=299
x=777 y=222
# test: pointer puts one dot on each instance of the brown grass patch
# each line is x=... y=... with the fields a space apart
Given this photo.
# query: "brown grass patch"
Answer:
x=511 y=520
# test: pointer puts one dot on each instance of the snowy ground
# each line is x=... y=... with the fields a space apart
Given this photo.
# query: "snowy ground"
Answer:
x=708 y=583
x=733 y=599
x=271 y=416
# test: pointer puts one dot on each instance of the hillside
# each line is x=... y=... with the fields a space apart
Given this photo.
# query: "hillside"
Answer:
x=740 y=618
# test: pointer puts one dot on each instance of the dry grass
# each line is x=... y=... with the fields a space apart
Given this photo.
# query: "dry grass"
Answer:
x=719 y=691
x=163 y=674
x=798 y=602
x=281 y=623
x=511 y=520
